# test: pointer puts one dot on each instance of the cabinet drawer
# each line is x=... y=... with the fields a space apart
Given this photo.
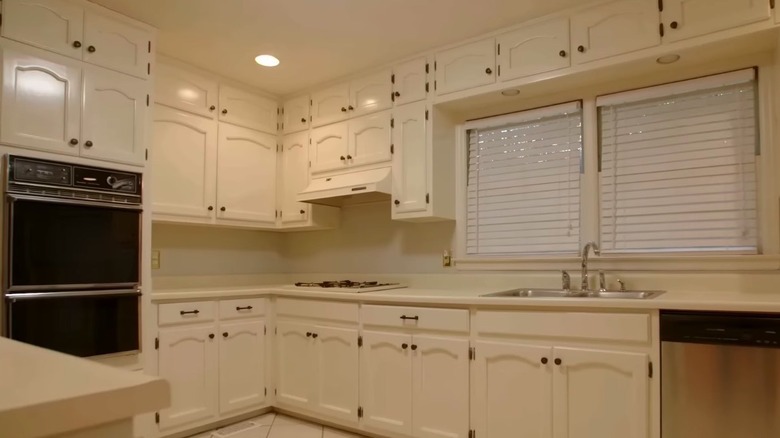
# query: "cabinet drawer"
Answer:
x=243 y=308
x=629 y=327
x=344 y=312
x=455 y=320
x=185 y=313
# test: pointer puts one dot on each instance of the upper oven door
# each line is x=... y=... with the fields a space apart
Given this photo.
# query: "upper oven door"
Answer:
x=61 y=244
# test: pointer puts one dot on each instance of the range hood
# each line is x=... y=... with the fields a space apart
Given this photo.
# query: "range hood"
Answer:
x=349 y=188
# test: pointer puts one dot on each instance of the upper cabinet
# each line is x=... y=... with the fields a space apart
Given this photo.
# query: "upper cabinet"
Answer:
x=465 y=67
x=689 y=18
x=294 y=176
x=330 y=105
x=410 y=81
x=534 y=49
x=370 y=94
x=370 y=139
x=614 y=29
x=295 y=114
x=182 y=89
x=66 y=28
x=248 y=110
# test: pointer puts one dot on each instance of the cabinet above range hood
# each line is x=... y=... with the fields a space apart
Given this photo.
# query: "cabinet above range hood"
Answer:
x=351 y=188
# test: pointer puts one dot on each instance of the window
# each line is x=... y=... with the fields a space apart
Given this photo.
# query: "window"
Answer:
x=678 y=167
x=523 y=188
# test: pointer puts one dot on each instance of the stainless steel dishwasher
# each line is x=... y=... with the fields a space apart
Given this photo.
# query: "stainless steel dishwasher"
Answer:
x=720 y=375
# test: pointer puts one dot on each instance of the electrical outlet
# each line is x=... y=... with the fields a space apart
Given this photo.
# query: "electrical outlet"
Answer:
x=446 y=258
x=155 y=259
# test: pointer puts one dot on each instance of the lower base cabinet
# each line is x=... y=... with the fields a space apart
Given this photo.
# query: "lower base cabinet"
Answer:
x=241 y=365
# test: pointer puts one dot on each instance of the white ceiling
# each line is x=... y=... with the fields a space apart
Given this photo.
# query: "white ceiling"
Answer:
x=317 y=40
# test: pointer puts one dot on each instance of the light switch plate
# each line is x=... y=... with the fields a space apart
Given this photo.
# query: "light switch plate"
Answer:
x=155 y=259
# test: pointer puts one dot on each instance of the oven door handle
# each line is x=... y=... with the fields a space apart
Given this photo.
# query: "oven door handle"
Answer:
x=85 y=203
x=90 y=293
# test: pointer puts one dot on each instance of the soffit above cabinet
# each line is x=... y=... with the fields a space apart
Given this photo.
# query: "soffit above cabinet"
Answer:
x=317 y=41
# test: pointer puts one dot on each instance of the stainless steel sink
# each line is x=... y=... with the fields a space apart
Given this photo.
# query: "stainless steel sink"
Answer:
x=560 y=293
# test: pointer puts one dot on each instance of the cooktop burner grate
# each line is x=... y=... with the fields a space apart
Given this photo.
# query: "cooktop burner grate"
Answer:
x=346 y=284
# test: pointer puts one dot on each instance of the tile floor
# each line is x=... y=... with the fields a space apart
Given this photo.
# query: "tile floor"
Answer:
x=278 y=426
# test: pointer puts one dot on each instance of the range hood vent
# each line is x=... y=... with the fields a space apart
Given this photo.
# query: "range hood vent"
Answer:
x=350 y=188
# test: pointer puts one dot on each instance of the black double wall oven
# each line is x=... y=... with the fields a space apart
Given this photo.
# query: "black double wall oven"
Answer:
x=71 y=270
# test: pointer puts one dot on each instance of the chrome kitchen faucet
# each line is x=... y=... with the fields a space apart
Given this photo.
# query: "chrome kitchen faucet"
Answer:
x=585 y=251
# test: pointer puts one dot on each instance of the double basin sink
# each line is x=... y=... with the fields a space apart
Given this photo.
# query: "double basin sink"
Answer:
x=560 y=293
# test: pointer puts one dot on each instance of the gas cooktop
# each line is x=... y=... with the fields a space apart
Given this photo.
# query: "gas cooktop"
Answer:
x=349 y=286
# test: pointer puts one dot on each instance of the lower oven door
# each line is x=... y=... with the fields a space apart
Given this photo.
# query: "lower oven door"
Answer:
x=79 y=323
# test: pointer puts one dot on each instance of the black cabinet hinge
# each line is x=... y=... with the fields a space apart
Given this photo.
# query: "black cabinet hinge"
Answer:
x=282 y=126
x=434 y=85
x=392 y=149
x=311 y=102
x=276 y=213
x=427 y=87
x=274 y=391
x=660 y=5
x=265 y=391
x=392 y=78
x=148 y=68
x=472 y=353
x=360 y=341
x=498 y=48
x=427 y=198
x=426 y=67
x=426 y=114
x=360 y=412
x=157 y=417
x=661 y=29
x=265 y=332
x=499 y=69
x=392 y=96
x=650 y=370
x=146 y=155
x=147 y=100
x=156 y=343
x=1 y=19
x=771 y=4
x=434 y=66
x=472 y=433
x=149 y=47
x=392 y=123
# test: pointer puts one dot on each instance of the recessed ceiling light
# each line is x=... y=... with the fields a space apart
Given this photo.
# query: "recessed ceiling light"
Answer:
x=267 y=60
x=668 y=59
x=510 y=93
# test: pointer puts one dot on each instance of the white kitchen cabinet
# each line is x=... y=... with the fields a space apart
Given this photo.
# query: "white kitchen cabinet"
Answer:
x=114 y=118
x=465 y=67
x=690 y=18
x=410 y=159
x=329 y=146
x=336 y=361
x=294 y=177
x=513 y=390
x=330 y=105
x=241 y=365
x=41 y=100
x=246 y=175
x=613 y=29
x=248 y=110
x=295 y=114
x=410 y=81
x=386 y=382
x=188 y=359
x=590 y=386
x=440 y=386
x=55 y=25
x=116 y=45
x=182 y=89
x=370 y=94
x=296 y=372
x=370 y=138
x=534 y=49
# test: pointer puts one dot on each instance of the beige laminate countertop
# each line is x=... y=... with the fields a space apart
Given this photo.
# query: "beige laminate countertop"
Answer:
x=671 y=300
x=46 y=393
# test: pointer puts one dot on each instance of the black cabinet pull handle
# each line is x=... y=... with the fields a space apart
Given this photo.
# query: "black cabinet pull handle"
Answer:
x=74 y=141
x=212 y=108
x=222 y=209
x=224 y=111
x=349 y=157
x=308 y=334
x=225 y=334
x=544 y=361
x=343 y=110
x=674 y=25
x=243 y=308
x=88 y=143
x=414 y=346
x=489 y=71
x=303 y=120
x=581 y=49
x=211 y=335
x=314 y=335
x=351 y=108
x=397 y=202
x=91 y=49
x=189 y=312
x=416 y=318
x=303 y=211
x=562 y=53
x=397 y=94
x=558 y=361
x=77 y=44
x=342 y=158
x=404 y=346
x=211 y=208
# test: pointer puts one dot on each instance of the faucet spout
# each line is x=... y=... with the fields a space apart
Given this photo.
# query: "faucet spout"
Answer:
x=585 y=252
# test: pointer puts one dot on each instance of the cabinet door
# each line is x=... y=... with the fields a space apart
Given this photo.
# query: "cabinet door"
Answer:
x=440 y=382
x=188 y=359
x=116 y=45
x=534 y=49
x=590 y=386
x=246 y=175
x=465 y=67
x=409 y=80
x=41 y=102
x=241 y=365
x=295 y=365
x=336 y=360
x=294 y=177
x=330 y=105
x=513 y=387
x=248 y=110
x=370 y=138
x=410 y=159
x=187 y=91
x=55 y=25
x=370 y=94
x=183 y=157
x=329 y=148
x=613 y=29
x=386 y=382
x=689 y=18
x=296 y=114
x=114 y=118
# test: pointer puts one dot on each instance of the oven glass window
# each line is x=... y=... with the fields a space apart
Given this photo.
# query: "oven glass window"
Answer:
x=62 y=244
x=81 y=326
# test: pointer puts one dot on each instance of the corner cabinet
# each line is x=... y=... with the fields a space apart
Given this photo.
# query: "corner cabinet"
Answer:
x=182 y=89
x=410 y=81
x=465 y=67
x=295 y=114
x=684 y=19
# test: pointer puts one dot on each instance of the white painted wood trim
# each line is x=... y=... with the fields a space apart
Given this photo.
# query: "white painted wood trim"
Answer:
x=627 y=262
x=524 y=116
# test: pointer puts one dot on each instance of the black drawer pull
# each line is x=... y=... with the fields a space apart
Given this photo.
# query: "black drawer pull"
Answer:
x=404 y=346
x=243 y=308
x=225 y=334
x=308 y=334
x=211 y=335
x=314 y=335
x=558 y=361
x=414 y=346
x=544 y=361
x=416 y=318
x=189 y=312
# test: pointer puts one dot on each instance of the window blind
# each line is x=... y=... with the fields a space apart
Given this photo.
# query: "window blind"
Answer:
x=523 y=193
x=678 y=171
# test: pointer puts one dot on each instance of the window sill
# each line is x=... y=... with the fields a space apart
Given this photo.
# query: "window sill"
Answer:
x=613 y=262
